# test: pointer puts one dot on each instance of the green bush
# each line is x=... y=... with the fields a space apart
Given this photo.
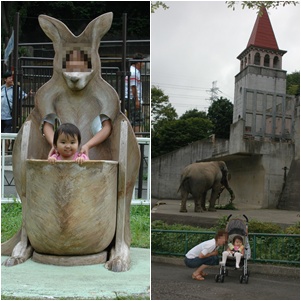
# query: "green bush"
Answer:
x=263 y=227
x=295 y=229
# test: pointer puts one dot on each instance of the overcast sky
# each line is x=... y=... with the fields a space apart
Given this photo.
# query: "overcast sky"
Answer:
x=195 y=43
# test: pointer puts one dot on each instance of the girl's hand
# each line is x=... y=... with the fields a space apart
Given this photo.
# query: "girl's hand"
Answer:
x=80 y=160
x=51 y=160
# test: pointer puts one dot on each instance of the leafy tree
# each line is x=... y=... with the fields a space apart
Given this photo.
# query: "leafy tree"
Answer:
x=258 y=4
x=293 y=83
x=156 y=5
x=161 y=107
x=174 y=134
x=194 y=113
x=76 y=15
x=220 y=113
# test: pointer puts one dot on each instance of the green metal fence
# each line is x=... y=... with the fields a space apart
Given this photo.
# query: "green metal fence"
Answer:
x=270 y=248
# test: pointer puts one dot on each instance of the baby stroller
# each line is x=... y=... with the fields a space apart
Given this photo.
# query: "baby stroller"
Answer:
x=236 y=227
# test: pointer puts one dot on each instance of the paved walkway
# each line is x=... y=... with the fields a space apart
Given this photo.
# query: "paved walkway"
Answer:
x=168 y=210
x=34 y=280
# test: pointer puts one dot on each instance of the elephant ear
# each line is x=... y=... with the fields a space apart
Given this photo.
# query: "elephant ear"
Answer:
x=222 y=166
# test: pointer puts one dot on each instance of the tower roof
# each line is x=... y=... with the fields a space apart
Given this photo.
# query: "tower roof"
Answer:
x=263 y=34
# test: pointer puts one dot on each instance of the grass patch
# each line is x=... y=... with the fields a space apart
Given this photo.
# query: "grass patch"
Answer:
x=11 y=221
x=140 y=226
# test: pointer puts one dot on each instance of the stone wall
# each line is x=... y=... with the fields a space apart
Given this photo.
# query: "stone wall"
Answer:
x=256 y=168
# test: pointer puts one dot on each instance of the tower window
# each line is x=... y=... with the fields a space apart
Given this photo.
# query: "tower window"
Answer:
x=257 y=59
x=267 y=60
x=276 y=62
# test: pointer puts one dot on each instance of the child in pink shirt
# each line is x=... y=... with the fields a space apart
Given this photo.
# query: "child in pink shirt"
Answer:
x=66 y=141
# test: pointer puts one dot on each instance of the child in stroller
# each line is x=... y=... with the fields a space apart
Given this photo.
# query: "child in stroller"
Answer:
x=238 y=251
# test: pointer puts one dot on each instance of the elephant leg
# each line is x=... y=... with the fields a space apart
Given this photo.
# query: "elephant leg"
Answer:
x=197 y=204
x=203 y=201
x=184 y=196
x=213 y=198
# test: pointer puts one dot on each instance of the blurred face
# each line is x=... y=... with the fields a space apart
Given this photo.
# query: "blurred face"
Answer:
x=221 y=240
x=139 y=65
x=67 y=146
x=237 y=243
x=9 y=81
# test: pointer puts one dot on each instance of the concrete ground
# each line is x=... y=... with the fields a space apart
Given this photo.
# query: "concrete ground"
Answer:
x=168 y=210
x=33 y=280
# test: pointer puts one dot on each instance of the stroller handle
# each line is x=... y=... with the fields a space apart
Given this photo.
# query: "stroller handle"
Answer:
x=242 y=215
x=246 y=218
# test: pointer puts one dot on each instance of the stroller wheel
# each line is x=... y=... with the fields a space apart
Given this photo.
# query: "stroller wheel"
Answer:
x=216 y=278
x=222 y=278
x=243 y=278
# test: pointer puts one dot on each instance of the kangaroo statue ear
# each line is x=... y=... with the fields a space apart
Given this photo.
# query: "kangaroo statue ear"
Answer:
x=54 y=29
x=97 y=28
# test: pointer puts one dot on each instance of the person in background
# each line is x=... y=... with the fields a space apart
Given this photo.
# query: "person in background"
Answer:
x=7 y=104
x=134 y=94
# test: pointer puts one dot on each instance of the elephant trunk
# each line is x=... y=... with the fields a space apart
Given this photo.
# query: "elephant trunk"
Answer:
x=225 y=183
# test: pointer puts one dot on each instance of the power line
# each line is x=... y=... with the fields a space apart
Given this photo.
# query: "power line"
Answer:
x=178 y=86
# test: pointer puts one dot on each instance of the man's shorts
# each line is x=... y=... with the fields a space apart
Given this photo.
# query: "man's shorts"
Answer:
x=135 y=115
x=7 y=126
x=197 y=262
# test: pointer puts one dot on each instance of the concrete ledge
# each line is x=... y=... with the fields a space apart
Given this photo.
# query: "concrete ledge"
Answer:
x=266 y=269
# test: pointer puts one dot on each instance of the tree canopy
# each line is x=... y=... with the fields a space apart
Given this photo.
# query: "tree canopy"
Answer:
x=258 y=4
x=220 y=113
x=170 y=132
x=293 y=83
x=174 y=134
x=76 y=15
x=161 y=107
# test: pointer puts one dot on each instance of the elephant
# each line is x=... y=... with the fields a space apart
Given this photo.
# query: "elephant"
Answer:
x=198 y=178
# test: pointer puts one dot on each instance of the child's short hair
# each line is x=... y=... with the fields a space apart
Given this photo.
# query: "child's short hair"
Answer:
x=68 y=129
x=237 y=237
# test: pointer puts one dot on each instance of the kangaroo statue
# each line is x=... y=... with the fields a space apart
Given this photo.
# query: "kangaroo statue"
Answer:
x=79 y=96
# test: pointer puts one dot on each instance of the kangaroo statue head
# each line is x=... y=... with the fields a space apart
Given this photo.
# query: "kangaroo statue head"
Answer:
x=76 y=57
